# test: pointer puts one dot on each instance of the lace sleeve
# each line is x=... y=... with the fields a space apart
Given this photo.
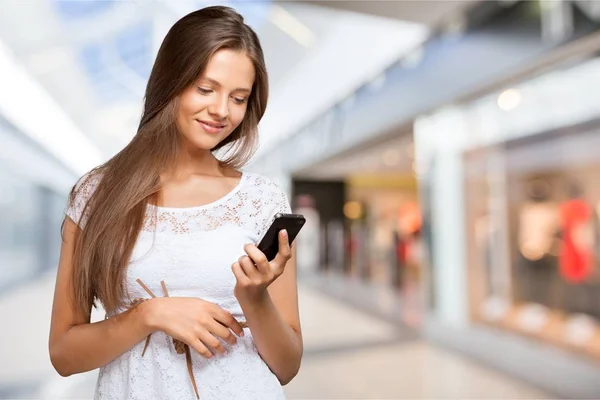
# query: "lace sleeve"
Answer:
x=79 y=197
x=277 y=202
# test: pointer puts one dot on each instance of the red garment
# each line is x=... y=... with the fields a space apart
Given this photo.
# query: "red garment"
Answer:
x=402 y=251
x=576 y=258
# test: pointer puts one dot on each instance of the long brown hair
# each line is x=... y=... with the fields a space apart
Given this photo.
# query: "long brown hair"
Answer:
x=129 y=181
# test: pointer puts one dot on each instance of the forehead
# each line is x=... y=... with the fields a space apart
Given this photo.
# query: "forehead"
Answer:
x=232 y=69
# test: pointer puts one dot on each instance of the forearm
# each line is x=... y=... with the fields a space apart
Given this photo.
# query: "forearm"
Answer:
x=89 y=346
x=278 y=344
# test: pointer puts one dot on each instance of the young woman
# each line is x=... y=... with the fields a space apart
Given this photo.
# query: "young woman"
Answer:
x=162 y=236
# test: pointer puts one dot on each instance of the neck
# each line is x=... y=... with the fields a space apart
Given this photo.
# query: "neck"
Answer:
x=194 y=161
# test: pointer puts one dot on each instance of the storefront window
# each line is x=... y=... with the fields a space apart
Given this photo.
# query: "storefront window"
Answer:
x=545 y=279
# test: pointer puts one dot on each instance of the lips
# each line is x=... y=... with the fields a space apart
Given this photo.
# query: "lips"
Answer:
x=211 y=127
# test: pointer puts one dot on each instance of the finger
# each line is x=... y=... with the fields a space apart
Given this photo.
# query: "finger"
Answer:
x=239 y=273
x=210 y=341
x=285 y=252
x=197 y=345
x=226 y=319
x=258 y=257
x=223 y=332
x=249 y=268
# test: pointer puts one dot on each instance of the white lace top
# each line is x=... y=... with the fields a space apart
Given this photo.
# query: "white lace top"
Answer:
x=192 y=250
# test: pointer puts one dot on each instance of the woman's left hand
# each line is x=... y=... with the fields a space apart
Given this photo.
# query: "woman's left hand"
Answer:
x=254 y=273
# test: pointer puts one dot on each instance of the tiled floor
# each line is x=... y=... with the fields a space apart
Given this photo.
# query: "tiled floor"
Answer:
x=411 y=370
x=348 y=355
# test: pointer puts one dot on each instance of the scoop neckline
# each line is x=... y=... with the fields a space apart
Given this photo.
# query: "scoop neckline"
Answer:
x=214 y=203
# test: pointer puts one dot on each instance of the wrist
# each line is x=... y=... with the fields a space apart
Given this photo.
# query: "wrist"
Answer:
x=150 y=314
x=256 y=300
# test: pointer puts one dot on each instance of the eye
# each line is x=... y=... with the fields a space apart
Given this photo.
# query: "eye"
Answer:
x=239 y=100
x=204 y=90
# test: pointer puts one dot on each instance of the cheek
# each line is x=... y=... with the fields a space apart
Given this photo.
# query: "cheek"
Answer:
x=237 y=115
x=184 y=124
x=189 y=104
x=192 y=103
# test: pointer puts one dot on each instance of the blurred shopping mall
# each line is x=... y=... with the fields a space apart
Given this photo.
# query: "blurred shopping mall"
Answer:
x=444 y=153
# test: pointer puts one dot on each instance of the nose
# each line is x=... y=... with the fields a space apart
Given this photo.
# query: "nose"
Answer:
x=219 y=108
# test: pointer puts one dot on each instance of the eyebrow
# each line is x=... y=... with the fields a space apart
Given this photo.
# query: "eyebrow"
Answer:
x=216 y=83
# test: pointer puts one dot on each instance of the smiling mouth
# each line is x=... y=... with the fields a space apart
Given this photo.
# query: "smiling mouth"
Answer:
x=211 y=127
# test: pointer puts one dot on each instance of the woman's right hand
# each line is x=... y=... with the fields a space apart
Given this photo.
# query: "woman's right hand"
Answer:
x=195 y=322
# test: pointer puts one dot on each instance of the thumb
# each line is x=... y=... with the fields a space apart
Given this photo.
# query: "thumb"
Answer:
x=284 y=252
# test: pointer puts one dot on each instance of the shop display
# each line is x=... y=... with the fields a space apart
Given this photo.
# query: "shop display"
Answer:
x=538 y=225
x=384 y=244
x=576 y=253
x=553 y=230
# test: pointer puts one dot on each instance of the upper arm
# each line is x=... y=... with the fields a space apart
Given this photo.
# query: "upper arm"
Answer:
x=64 y=312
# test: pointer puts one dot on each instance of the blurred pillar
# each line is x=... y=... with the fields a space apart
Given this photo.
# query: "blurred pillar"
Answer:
x=441 y=139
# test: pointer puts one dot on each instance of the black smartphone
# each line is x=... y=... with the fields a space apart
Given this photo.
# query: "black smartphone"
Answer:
x=292 y=223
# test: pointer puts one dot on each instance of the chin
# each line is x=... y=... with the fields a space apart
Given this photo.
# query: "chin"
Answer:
x=206 y=142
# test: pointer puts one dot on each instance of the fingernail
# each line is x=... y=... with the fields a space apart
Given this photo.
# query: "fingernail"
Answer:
x=284 y=233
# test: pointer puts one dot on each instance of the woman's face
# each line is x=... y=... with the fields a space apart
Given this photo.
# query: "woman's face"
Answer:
x=211 y=108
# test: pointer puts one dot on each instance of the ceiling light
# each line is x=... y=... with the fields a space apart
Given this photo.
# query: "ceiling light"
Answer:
x=353 y=210
x=289 y=24
x=509 y=99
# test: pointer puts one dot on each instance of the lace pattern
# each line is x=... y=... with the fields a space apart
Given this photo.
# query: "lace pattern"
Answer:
x=191 y=250
x=253 y=202
x=83 y=191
